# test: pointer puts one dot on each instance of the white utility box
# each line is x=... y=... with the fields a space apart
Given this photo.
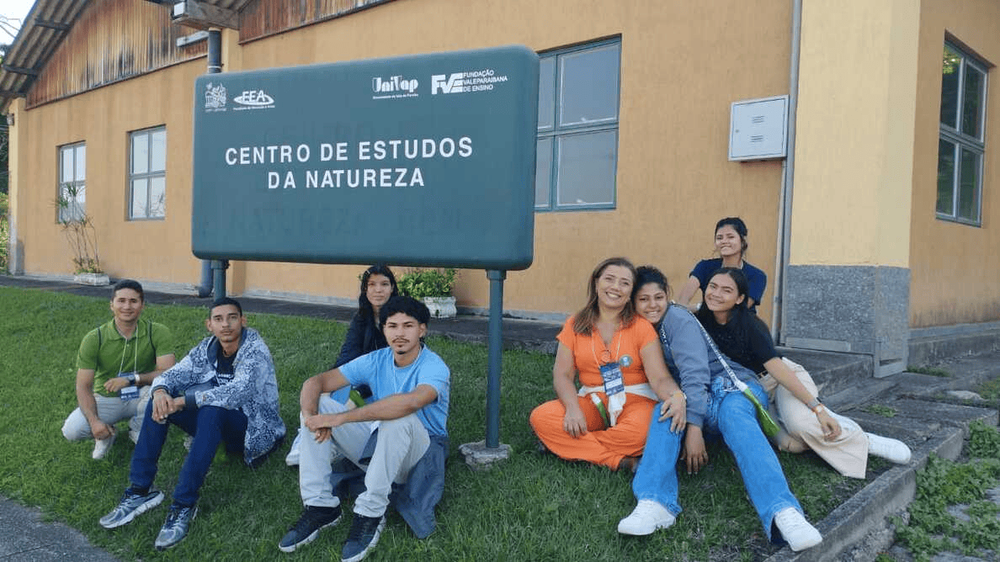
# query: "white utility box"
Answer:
x=758 y=129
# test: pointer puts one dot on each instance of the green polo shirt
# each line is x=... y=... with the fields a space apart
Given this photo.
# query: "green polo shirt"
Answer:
x=108 y=353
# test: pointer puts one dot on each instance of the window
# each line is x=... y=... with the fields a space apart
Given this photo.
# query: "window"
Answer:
x=147 y=174
x=961 y=143
x=71 y=200
x=578 y=128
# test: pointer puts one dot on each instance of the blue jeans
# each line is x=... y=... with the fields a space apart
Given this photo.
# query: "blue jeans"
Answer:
x=733 y=415
x=209 y=425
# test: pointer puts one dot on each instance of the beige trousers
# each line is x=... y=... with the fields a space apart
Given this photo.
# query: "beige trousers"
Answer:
x=848 y=454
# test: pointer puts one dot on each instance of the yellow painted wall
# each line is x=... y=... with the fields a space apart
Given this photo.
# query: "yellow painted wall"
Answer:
x=683 y=63
x=156 y=250
x=855 y=131
x=954 y=267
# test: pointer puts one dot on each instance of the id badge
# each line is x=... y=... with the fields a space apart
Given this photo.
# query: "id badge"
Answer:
x=129 y=393
x=612 y=375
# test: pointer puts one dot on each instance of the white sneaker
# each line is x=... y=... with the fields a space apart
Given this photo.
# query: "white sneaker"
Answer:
x=892 y=450
x=645 y=519
x=796 y=530
x=102 y=446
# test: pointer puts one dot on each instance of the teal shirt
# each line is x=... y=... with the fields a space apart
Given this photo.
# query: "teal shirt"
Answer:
x=107 y=353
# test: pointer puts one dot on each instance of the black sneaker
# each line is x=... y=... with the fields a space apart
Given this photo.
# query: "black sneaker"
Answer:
x=175 y=528
x=306 y=529
x=362 y=538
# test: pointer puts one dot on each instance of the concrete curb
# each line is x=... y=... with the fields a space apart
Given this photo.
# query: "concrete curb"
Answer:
x=865 y=515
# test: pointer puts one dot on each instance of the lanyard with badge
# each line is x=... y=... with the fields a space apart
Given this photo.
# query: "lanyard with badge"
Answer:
x=611 y=374
x=130 y=392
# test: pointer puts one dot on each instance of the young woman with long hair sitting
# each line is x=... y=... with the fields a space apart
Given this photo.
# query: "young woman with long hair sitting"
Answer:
x=621 y=372
x=714 y=405
x=731 y=244
x=808 y=424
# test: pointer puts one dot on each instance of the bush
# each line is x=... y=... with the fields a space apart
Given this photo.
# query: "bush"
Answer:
x=420 y=283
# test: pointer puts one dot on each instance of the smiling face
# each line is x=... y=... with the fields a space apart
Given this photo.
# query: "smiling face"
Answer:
x=403 y=332
x=651 y=302
x=226 y=323
x=614 y=287
x=378 y=290
x=126 y=306
x=722 y=294
x=728 y=241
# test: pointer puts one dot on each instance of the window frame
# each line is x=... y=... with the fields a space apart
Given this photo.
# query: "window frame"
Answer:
x=556 y=132
x=148 y=175
x=963 y=141
x=62 y=186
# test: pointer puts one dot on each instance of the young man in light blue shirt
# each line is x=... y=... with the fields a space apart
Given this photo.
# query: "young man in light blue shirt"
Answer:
x=398 y=437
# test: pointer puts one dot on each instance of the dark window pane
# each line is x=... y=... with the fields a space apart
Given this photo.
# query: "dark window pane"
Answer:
x=950 y=73
x=586 y=174
x=968 y=186
x=972 y=102
x=588 y=86
x=543 y=172
x=546 y=93
x=946 y=178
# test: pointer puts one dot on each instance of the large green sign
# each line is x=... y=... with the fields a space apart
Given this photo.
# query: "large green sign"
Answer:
x=418 y=160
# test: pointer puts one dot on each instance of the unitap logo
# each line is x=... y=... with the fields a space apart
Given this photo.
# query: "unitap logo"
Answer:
x=394 y=87
x=253 y=99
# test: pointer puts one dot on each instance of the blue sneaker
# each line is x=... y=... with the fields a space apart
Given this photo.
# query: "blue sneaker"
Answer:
x=131 y=505
x=175 y=528
x=307 y=528
x=363 y=537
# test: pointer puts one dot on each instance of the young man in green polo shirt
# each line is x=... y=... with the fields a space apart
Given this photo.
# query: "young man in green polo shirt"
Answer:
x=114 y=360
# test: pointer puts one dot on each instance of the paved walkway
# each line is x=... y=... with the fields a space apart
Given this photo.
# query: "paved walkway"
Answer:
x=854 y=531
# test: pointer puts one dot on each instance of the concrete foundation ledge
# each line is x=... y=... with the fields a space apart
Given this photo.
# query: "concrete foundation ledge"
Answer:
x=868 y=510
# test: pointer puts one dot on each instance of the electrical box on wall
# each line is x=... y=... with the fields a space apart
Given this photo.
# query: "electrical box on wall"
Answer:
x=758 y=129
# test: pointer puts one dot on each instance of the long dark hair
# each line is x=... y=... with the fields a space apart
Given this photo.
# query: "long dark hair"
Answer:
x=585 y=318
x=364 y=306
x=741 y=318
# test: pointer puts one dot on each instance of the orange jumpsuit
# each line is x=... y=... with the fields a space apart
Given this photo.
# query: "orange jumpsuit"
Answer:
x=601 y=445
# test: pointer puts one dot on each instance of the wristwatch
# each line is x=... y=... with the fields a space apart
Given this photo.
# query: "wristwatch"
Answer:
x=813 y=404
x=133 y=378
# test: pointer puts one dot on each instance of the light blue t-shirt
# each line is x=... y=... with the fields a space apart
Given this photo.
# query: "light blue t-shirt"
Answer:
x=379 y=371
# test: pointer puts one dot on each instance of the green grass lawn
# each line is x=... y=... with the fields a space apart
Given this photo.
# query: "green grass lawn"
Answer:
x=531 y=507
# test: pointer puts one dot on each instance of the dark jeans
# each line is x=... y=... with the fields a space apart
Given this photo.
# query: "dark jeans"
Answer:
x=208 y=425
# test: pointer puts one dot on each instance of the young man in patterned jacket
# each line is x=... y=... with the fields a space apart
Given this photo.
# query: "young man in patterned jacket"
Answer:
x=224 y=390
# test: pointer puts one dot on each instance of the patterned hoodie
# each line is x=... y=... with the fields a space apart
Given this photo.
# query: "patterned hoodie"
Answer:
x=253 y=389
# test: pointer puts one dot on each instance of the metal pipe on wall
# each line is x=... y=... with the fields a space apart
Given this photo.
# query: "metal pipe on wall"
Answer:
x=788 y=182
x=214 y=67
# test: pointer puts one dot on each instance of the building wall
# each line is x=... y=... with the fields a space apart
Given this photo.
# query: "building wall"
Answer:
x=682 y=65
x=953 y=265
x=156 y=250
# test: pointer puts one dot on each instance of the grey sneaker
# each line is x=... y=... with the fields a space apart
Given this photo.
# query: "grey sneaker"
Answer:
x=131 y=505
x=175 y=528
x=363 y=537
